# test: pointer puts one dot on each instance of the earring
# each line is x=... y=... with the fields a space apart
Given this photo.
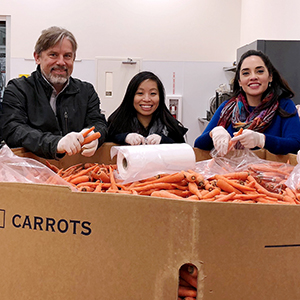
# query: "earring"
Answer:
x=269 y=84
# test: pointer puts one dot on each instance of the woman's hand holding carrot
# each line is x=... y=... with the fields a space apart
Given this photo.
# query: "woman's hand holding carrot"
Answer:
x=250 y=139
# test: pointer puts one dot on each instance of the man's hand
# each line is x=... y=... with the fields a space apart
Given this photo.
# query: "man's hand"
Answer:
x=70 y=143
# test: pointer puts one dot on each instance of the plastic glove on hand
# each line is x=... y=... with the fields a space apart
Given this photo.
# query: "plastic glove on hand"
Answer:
x=70 y=143
x=153 y=139
x=90 y=148
x=298 y=157
x=221 y=138
x=134 y=139
x=250 y=139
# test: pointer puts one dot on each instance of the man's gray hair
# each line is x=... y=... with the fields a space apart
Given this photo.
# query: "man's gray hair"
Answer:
x=53 y=35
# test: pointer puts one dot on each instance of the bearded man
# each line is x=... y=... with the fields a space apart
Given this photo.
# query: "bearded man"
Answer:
x=47 y=112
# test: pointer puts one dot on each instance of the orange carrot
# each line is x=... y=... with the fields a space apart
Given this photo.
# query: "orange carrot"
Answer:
x=231 y=143
x=170 y=178
x=85 y=134
x=112 y=179
x=180 y=193
x=98 y=188
x=225 y=186
x=156 y=185
x=212 y=193
x=86 y=188
x=193 y=188
x=191 y=177
x=224 y=198
x=91 y=138
x=84 y=171
x=51 y=166
x=208 y=185
x=88 y=183
x=237 y=175
x=71 y=170
x=100 y=176
x=185 y=291
x=165 y=194
x=192 y=197
x=79 y=179
x=199 y=178
x=240 y=187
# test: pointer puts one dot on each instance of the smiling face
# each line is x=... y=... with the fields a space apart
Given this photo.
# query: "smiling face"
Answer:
x=146 y=101
x=254 y=79
x=57 y=63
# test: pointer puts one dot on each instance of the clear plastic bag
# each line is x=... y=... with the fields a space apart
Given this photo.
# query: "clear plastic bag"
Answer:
x=26 y=170
x=236 y=160
x=272 y=175
x=293 y=181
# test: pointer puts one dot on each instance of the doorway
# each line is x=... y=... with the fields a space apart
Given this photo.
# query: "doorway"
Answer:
x=113 y=76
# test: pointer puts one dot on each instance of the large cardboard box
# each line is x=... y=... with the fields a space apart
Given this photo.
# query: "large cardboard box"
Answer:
x=59 y=244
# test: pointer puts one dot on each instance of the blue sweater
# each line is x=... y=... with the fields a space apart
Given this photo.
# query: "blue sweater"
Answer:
x=282 y=136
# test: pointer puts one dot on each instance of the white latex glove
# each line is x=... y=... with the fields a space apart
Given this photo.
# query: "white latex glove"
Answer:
x=250 y=139
x=298 y=157
x=153 y=139
x=221 y=138
x=135 y=139
x=90 y=148
x=70 y=143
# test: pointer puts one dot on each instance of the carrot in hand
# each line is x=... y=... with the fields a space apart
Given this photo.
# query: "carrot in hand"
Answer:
x=231 y=144
x=85 y=134
x=91 y=138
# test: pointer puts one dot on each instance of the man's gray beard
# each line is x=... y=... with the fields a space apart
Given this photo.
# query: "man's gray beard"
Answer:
x=54 y=79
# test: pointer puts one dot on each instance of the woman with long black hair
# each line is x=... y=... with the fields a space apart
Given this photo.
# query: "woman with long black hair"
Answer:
x=143 y=117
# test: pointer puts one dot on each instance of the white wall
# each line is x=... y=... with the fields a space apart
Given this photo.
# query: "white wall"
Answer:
x=183 y=30
x=194 y=38
x=269 y=20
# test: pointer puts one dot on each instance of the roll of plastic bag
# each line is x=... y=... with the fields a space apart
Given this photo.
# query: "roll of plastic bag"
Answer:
x=143 y=161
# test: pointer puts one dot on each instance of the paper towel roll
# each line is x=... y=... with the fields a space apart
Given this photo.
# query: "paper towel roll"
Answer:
x=143 y=161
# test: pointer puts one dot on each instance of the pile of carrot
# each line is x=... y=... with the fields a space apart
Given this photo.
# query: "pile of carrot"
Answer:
x=187 y=286
x=184 y=185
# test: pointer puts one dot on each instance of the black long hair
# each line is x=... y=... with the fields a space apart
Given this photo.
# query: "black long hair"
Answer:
x=279 y=87
x=121 y=119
